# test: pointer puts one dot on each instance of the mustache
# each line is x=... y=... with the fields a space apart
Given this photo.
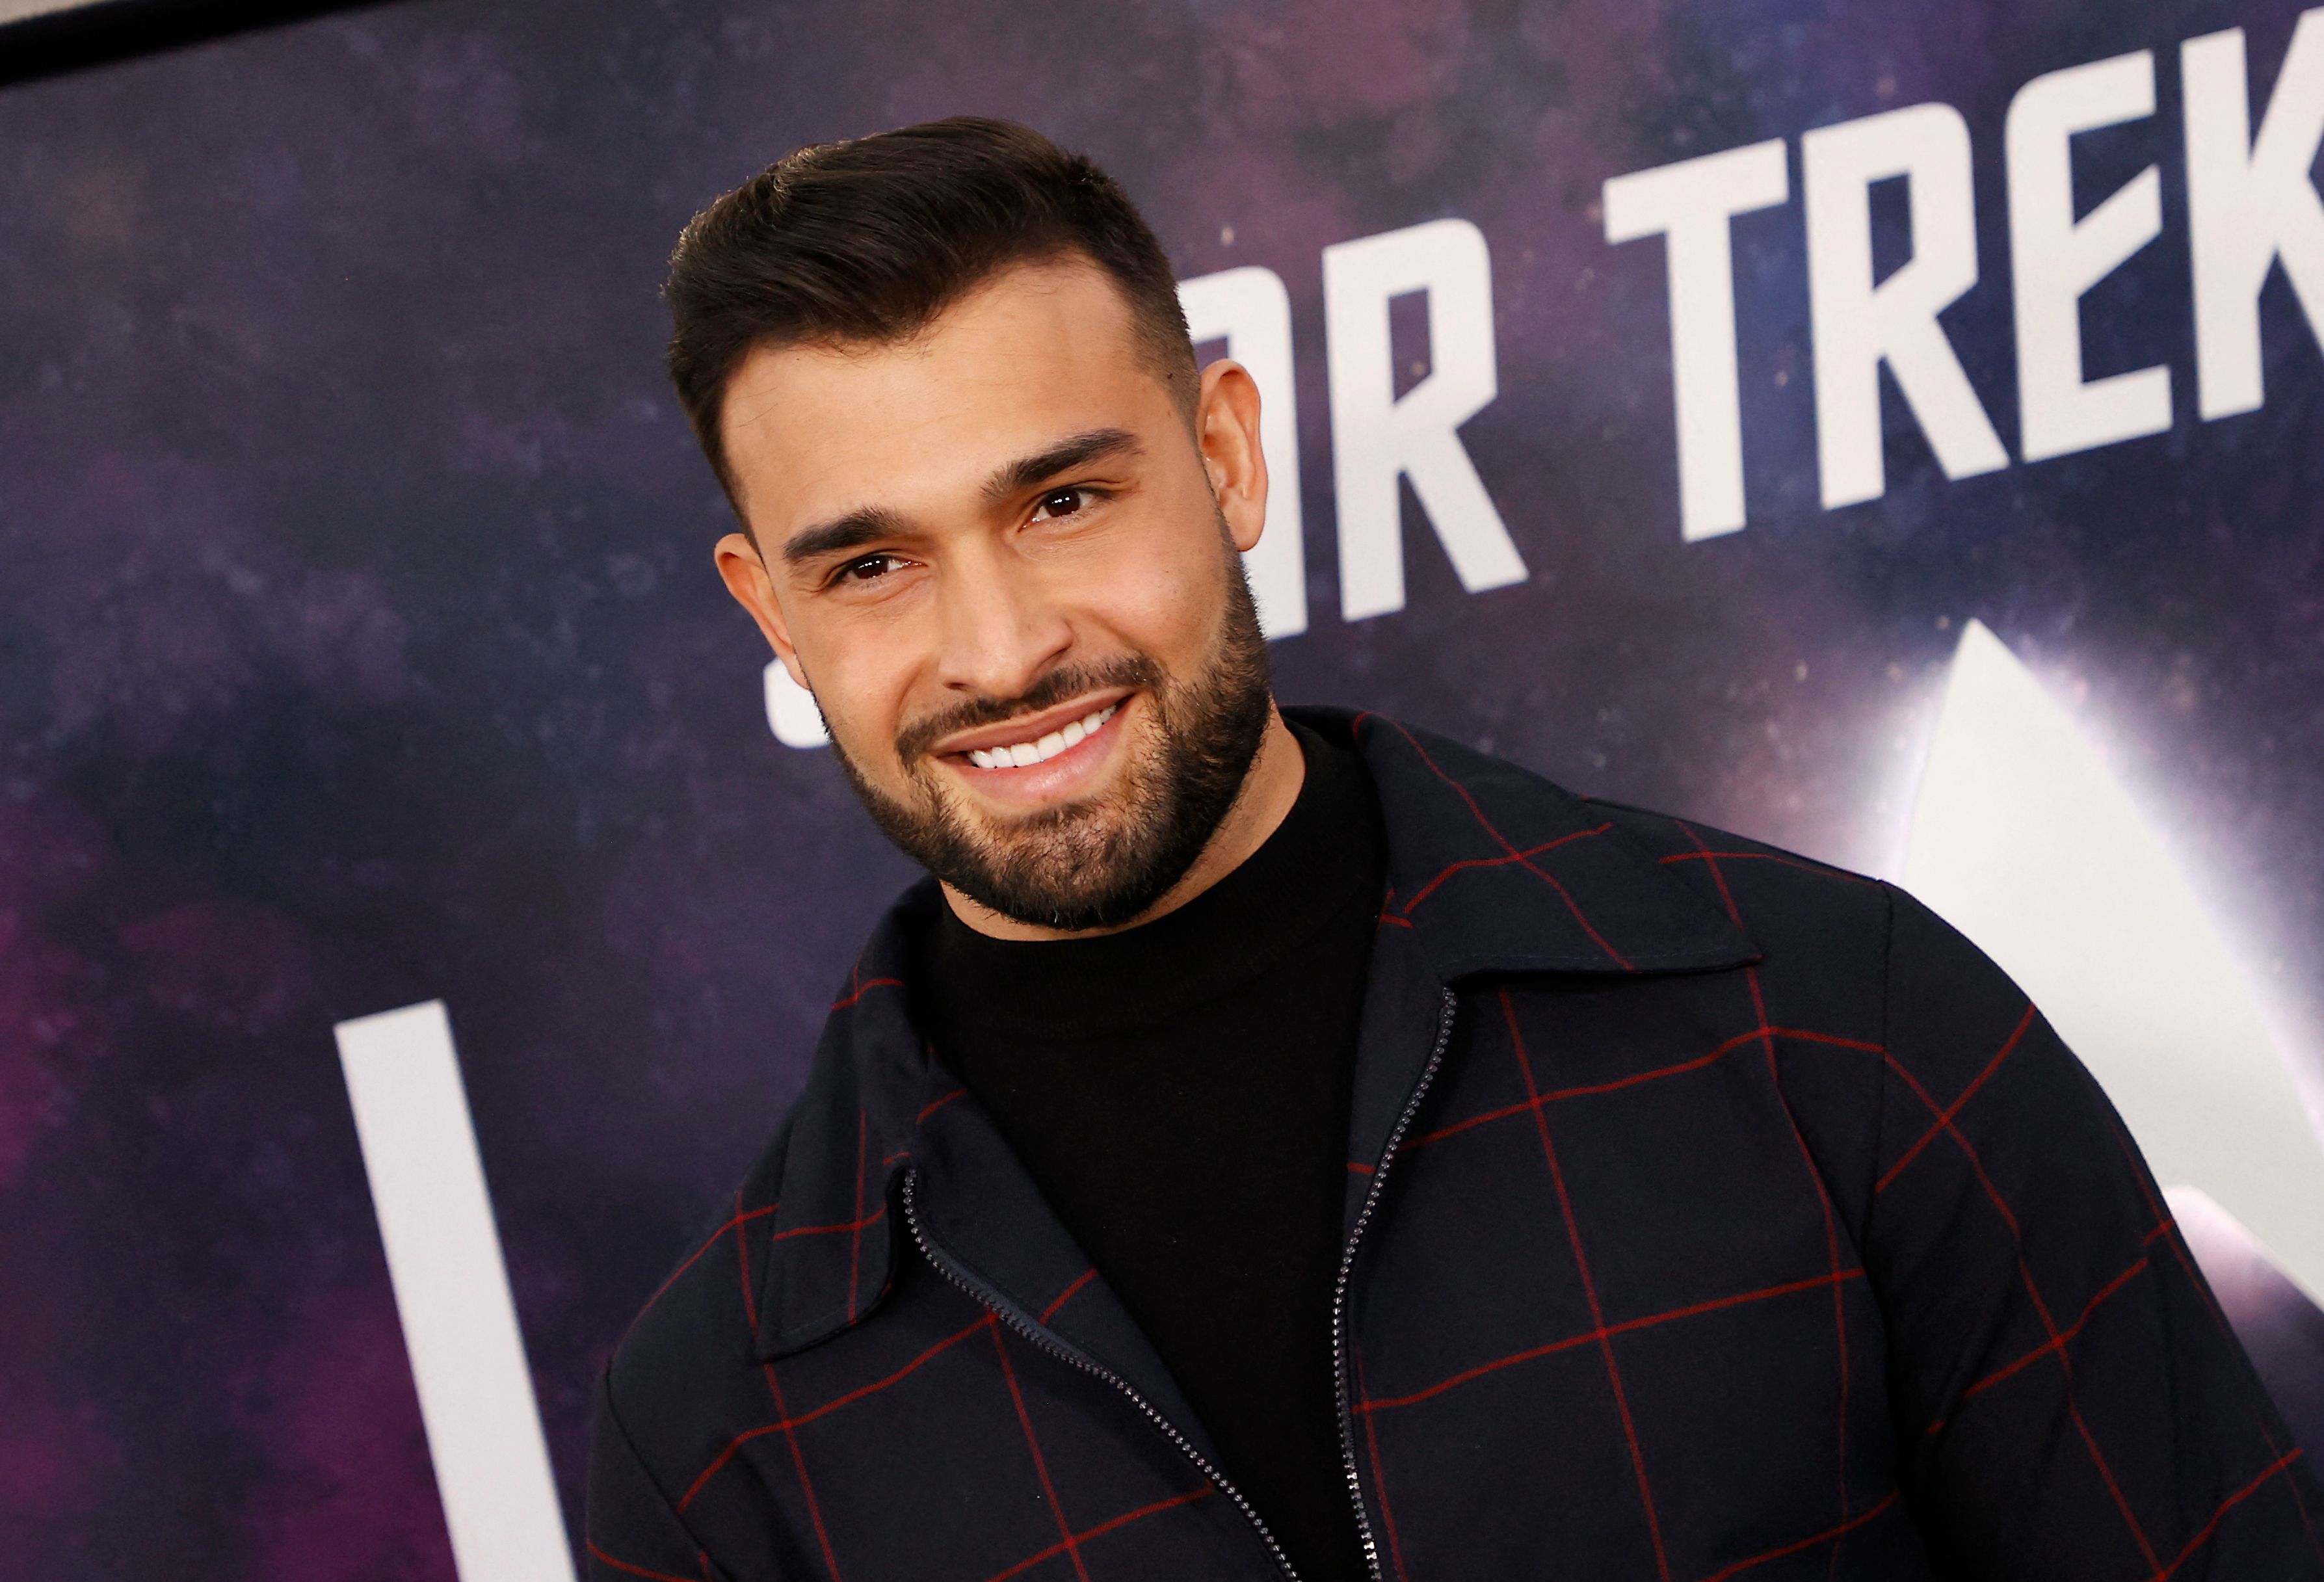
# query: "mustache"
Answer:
x=1135 y=670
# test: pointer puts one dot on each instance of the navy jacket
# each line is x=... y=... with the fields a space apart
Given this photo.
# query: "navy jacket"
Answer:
x=1710 y=1213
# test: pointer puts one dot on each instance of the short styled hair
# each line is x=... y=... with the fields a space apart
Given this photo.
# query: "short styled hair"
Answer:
x=866 y=242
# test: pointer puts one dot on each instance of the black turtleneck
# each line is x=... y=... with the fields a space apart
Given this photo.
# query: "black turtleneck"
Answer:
x=1179 y=1092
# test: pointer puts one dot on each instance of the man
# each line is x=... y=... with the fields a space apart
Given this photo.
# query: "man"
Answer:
x=1283 y=1142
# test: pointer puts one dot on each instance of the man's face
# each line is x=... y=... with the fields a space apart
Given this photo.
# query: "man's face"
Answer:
x=1008 y=570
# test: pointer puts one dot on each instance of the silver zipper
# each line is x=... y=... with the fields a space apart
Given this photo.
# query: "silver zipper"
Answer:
x=1347 y=1270
x=1003 y=1309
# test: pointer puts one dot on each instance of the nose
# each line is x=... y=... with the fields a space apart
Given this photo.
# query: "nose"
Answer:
x=1001 y=629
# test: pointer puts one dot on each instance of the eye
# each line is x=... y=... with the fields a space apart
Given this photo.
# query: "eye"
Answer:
x=867 y=568
x=1062 y=503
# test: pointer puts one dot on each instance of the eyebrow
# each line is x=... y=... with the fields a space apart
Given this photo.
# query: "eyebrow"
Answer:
x=872 y=523
x=1079 y=451
x=868 y=525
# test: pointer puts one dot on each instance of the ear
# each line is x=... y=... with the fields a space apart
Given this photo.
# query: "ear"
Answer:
x=1226 y=430
x=745 y=576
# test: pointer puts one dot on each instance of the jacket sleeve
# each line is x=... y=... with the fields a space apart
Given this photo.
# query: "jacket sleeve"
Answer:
x=630 y=1530
x=2070 y=1402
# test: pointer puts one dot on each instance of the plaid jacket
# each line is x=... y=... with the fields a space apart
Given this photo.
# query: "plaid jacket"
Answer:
x=1710 y=1213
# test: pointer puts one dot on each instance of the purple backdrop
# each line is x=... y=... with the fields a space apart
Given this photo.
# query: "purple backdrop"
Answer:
x=362 y=646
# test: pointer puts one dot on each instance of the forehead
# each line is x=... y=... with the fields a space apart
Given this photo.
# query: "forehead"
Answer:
x=1038 y=353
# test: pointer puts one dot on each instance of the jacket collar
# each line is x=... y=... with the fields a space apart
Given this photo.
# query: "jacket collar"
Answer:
x=1494 y=870
x=1490 y=869
x=849 y=1135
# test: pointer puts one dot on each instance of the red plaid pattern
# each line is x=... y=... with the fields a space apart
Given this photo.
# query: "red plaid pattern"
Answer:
x=1750 y=1223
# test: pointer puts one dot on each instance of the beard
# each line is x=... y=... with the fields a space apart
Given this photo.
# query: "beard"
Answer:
x=1101 y=861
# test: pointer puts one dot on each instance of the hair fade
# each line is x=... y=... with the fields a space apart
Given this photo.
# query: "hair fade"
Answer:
x=868 y=241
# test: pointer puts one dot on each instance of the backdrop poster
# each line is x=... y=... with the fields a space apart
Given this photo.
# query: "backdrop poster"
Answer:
x=1877 y=431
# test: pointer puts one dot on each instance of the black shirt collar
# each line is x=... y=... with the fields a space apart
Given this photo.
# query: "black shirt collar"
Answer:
x=1327 y=856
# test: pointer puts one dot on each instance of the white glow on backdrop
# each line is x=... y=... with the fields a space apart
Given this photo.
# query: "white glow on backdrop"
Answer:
x=2234 y=1264
x=2024 y=841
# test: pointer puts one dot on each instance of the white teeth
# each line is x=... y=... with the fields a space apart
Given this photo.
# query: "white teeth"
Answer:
x=1025 y=754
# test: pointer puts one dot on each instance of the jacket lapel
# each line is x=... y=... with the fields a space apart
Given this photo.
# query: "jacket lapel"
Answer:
x=829 y=1256
x=1494 y=870
x=987 y=1222
x=1491 y=870
x=879 y=1104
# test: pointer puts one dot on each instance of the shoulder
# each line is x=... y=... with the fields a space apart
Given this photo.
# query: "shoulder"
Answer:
x=1822 y=935
x=693 y=1341
x=1773 y=894
x=1829 y=935
x=780 y=1262
x=667 y=1405
x=1495 y=867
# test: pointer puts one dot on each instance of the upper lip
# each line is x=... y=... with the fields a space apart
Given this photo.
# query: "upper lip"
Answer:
x=1031 y=727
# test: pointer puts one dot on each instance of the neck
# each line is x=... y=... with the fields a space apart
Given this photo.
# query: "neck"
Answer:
x=1272 y=785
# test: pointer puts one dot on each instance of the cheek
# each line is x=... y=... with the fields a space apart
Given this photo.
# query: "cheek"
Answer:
x=860 y=685
x=1162 y=594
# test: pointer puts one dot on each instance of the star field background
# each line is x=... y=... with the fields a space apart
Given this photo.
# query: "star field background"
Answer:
x=359 y=643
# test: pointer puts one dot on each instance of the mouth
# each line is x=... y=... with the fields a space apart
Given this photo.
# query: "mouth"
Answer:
x=1039 y=749
x=1039 y=759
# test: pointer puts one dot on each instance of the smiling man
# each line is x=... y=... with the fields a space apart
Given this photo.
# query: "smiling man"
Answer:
x=1293 y=1144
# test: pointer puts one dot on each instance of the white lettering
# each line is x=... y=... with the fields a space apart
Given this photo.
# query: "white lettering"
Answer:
x=1691 y=204
x=792 y=712
x=452 y=1295
x=2055 y=259
x=1376 y=437
x=1857 y=325
x=2250 y=202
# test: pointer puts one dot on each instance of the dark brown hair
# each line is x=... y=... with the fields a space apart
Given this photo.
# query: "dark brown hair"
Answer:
x=868 y=241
